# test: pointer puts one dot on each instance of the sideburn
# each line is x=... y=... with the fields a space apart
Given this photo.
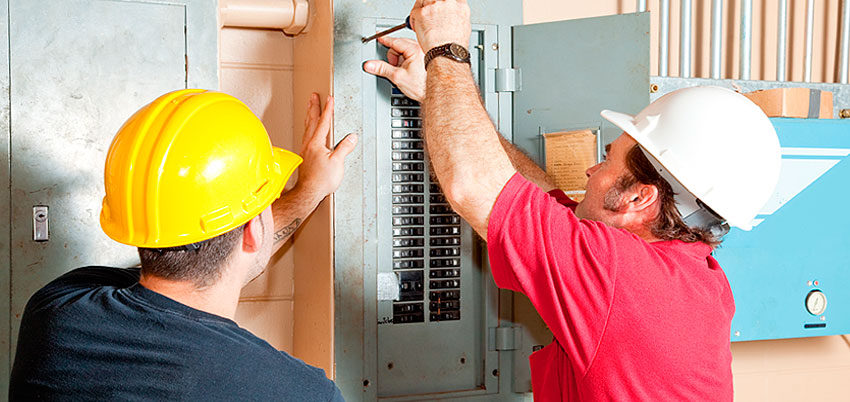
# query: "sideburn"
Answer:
x=613 y=200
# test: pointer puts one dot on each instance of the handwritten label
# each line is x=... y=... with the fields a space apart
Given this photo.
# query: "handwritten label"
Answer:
x=568 y=155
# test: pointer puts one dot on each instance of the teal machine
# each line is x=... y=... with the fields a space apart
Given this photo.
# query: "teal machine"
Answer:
x=790 y=274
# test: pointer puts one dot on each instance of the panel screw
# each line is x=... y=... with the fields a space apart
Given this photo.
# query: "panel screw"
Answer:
x=495 y=46
x=653 y=88
x=844 y=114
x=365 y=383
x=390 y=366
x=737 y=333
x=495 y=373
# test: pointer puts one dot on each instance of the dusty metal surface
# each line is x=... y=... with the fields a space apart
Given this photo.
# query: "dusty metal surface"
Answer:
x=5 y=261
x=79 y=69
x=840 y=92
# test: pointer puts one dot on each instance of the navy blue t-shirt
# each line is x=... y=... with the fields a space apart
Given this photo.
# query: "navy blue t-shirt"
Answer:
x=96 y=334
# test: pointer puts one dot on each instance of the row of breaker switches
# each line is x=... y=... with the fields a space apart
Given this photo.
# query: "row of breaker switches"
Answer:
x=412 y=219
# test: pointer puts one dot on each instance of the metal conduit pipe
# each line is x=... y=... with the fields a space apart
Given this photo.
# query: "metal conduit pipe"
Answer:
x=664 y=38
x=290 y=16
x=716 y=36
x=844 y=59
x=685 y=40
x=746 y=38
x=641 y=6
x=781 y=40
x=810 y=29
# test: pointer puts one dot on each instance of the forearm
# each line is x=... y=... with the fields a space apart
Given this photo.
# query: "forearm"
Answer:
x=290 y=210
x=526 y=167
x=463 y=145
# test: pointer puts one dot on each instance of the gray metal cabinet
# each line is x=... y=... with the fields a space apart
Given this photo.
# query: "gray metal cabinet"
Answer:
x=77 y=70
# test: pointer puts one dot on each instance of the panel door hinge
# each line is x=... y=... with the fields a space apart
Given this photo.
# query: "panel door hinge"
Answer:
x=508 y=80
x=503 y=338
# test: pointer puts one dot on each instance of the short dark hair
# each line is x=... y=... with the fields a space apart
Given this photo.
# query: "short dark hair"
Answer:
x=668 y=225
x=202 y=267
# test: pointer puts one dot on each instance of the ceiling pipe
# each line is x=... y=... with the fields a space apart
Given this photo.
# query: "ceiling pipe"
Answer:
x=290 y=16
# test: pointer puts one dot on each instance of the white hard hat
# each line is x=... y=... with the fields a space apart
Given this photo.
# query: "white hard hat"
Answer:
x=713 y=143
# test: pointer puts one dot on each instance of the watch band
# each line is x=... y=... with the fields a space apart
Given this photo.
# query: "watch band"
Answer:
x=452 y=51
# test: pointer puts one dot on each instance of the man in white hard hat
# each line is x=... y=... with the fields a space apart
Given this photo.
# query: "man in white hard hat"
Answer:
x=638 y=307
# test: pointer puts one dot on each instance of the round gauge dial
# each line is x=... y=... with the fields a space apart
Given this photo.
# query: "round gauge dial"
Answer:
x=816 y=302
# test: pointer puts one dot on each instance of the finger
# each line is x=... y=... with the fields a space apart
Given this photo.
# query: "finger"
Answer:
x=320 y=136
x=312 y=119
x=394 y=58
x=344 y=147
x=380 y=68
x=409 y=48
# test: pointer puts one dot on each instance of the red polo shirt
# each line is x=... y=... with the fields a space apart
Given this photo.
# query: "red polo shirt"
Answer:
x=632 y=321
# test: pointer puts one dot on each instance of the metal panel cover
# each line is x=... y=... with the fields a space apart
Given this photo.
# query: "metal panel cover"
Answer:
x=571 y=70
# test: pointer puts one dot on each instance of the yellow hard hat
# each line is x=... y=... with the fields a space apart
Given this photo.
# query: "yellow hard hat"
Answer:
x=187 y=167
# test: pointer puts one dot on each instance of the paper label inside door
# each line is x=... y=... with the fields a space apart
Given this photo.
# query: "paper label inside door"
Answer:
x=568 y=155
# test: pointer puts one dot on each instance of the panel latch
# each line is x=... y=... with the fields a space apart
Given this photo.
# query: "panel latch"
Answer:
x=503 y=338
x=508 y=80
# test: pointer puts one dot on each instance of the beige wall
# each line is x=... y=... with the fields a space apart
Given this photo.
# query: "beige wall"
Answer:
x=274 y=75
x=809 y=369
x=257 y=67
x=765 y=18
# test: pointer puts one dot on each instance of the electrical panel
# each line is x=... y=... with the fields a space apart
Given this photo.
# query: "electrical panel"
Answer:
x=418 y=316
x=431 y=253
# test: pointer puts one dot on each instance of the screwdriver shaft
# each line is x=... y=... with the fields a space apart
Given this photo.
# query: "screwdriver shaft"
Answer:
x=385 y=32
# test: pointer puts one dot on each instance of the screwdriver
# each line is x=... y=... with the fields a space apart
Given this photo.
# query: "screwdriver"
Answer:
x=389 y=31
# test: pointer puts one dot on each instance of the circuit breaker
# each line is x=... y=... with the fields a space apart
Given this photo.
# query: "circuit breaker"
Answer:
x=418 y=316
x=428 y=272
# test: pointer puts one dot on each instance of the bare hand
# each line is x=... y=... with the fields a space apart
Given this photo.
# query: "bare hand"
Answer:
x=406 y=68
x=323 y=167
x=438 y=22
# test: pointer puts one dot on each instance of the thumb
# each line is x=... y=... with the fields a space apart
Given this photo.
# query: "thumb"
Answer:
x=380 y=68
x=345 y=146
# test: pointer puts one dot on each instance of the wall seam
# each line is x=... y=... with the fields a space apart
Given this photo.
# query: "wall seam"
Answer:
x=8 y=323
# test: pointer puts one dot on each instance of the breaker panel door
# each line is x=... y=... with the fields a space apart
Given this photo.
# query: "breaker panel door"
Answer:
x=569 y=71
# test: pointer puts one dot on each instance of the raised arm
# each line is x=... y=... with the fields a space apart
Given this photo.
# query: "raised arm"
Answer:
x=526 y=167
x=319 y=175
x=463 y=144
x=405 y=68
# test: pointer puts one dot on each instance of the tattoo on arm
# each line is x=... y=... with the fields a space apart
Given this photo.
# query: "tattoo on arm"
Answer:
x=287 y=230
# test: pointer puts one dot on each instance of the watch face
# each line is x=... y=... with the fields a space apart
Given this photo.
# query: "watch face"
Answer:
x=459 y=51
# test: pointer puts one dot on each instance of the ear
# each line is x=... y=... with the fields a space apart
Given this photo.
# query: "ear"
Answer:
x=252 y=236
x=641 y=198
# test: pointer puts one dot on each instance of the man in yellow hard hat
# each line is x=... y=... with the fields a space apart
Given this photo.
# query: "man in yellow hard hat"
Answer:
x=193 y=181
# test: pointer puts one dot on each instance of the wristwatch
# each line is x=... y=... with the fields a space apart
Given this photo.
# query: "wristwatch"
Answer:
x=453 y=51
